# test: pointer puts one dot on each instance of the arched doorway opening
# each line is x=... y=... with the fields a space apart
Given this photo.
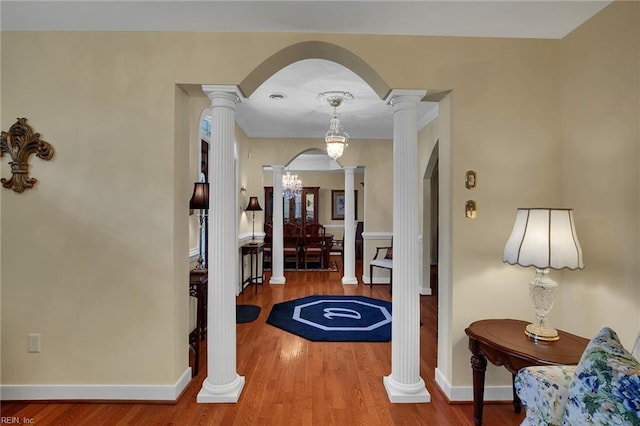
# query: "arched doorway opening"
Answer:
x=401 y=385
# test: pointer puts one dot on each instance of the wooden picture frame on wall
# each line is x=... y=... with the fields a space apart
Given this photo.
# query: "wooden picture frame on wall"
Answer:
x=337 y=204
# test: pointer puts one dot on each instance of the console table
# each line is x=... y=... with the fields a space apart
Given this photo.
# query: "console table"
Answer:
x=253 y=250
x=503 y=342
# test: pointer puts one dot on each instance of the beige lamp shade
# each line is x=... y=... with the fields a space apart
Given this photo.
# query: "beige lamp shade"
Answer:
x=544 y=238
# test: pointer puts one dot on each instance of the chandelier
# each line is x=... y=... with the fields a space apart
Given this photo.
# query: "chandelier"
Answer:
x=291 y=186
x=336 y=138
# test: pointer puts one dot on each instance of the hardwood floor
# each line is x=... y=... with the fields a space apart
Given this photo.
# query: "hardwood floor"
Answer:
x=292 y=381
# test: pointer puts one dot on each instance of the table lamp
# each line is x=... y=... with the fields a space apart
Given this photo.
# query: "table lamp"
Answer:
x=200 y=200
x=253 y=207
x=544 y=238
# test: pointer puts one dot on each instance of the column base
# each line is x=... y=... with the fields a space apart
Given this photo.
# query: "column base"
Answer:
x=349 y=280
x=229 y=392
x=277 y=280
x=401 y=393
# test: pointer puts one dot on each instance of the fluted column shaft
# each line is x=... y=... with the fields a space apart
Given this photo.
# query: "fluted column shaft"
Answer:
x=405 y=384
x=223 y=384
x=349 y=241
x=277 y=245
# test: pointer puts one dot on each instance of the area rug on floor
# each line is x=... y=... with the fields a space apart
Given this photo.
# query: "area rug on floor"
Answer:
x=246 y=313
x=334 y=318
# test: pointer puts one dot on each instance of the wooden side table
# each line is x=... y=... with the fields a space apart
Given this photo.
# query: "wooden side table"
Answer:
x=198 y=284
x=253 y=250
x=503 y=342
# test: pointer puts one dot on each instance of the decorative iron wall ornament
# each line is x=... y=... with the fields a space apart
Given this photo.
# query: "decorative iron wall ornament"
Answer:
x=20 y=142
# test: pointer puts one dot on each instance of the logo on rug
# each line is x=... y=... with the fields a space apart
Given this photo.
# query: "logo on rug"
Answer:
x=335 y=318
x=360 y=316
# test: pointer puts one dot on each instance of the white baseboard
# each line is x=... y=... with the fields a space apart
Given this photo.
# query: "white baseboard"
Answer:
x=246 y=237
x=168 y=393
x=194 y=253
x=383 y=280
x=377 y=235
x=465 y=393
x=379 y=280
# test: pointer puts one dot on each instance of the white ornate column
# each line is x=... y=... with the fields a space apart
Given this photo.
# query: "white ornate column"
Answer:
x=277 y=245
x=349 y=241
x=223 y=384
x=405 y=384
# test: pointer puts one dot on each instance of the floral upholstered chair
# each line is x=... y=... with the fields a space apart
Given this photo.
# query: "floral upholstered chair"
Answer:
x=603 y=389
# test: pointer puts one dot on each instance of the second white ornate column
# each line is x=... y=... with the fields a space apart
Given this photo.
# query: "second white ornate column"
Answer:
x=223 y=384
x=405 y=384
x=348 y=240
x=277 y=243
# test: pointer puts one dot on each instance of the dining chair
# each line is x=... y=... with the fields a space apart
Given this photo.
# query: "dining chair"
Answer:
x=291 y=243
x=268 y=244
x=313 y=244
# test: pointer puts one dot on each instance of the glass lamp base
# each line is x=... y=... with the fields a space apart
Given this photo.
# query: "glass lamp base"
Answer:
x=542 y=290
x=545 y=334
x=200 y=267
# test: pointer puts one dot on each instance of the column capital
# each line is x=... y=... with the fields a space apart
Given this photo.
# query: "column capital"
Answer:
x=405 y=95
x=218 y=91
x=277 y=168
x=349 y=169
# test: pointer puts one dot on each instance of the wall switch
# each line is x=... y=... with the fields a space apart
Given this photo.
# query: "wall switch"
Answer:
x=34 y=343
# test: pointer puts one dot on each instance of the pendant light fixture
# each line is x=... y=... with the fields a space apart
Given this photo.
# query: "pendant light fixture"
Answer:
x=336 y=138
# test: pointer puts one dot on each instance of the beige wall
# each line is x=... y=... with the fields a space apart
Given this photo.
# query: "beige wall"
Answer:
x=92 y=258
x=600 y=112
x=92 y=261
x=3 y=171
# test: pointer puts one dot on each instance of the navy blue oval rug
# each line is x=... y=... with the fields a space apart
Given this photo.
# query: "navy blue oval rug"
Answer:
x=334 y=318
x=246 y=313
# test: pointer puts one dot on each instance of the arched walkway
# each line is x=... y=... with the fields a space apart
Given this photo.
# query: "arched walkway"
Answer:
x=404 y=383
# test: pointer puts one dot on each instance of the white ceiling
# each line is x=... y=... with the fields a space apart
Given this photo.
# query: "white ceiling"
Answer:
x=301 y=114
x=305 y=114
x=503 y=18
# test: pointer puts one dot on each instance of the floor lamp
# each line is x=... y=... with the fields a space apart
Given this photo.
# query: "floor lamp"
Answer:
x=200 y=200
x=253 y=207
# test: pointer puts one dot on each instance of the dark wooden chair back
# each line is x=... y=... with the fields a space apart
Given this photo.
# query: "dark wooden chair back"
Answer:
x=314 y=229
x=291 y=242
x=290 y=230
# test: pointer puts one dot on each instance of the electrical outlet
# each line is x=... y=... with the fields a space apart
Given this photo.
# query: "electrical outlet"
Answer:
x=34 y=343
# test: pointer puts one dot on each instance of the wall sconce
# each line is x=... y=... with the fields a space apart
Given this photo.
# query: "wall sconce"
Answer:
x=20 y=142
x=470 y=209
x=470 y=179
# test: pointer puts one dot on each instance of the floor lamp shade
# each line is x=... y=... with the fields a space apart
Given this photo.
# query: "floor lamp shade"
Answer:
x=543 y=238
x=200 y=201
x=200 y=196
x=253 y=207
